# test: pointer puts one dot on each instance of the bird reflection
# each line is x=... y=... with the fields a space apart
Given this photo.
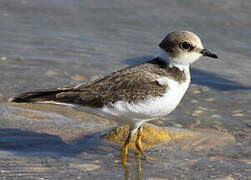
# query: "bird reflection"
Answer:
x=138 y=168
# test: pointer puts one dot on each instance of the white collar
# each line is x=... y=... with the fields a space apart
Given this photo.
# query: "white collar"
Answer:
x=164 y=56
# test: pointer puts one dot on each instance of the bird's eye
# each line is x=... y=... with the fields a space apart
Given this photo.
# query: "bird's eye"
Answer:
x=186 y=45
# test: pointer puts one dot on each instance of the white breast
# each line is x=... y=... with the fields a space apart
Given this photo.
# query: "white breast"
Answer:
x=154 y=107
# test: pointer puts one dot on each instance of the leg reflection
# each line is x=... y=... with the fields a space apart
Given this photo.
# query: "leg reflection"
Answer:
x=138 y=168
x=126 y=172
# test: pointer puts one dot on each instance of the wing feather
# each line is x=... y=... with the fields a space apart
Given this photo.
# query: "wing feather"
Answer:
x=130 y=85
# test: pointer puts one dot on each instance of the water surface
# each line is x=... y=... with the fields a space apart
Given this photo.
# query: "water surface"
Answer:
x=48 y=43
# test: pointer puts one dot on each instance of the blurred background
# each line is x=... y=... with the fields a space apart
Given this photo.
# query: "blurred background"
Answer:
x=55 y=43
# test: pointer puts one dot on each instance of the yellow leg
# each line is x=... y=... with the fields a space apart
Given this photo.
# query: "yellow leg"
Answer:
x=138 y=140
x=139 y=145
x=124 y=150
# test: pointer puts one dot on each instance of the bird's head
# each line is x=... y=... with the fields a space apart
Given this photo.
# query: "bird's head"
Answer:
x=184 y=47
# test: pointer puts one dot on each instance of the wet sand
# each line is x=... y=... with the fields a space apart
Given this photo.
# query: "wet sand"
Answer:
x=57 y=43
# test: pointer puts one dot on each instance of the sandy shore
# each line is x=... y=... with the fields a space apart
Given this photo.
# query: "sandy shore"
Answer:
x=56 y=43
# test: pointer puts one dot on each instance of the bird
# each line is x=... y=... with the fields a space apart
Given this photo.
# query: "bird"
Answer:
x=136 y=94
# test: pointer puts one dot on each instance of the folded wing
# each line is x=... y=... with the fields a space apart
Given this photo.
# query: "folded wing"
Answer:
x=131 y=85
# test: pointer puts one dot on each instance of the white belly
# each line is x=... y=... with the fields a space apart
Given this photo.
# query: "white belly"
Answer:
x=152 y=108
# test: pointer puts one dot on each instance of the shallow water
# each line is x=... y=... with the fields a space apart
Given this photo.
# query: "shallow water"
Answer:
x=61 y=42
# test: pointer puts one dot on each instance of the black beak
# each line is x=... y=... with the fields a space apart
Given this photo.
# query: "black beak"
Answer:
x=205 y=52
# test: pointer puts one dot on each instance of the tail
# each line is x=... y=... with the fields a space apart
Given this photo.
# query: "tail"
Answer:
x=39 y=95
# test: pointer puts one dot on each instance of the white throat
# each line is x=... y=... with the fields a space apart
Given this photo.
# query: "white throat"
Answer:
x=164 y=56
